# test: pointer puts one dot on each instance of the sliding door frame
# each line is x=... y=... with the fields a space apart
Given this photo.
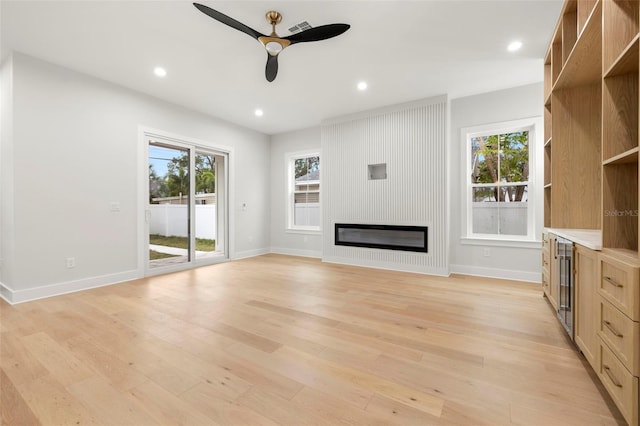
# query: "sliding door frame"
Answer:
x=145 y=135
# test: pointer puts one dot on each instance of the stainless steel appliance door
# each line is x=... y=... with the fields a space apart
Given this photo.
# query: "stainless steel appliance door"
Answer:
x=565 y=305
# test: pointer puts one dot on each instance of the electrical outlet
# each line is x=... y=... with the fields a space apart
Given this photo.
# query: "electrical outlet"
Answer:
x=71 y=262
x=486 y=252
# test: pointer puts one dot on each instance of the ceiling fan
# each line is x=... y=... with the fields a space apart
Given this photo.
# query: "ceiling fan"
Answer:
x=273 y=43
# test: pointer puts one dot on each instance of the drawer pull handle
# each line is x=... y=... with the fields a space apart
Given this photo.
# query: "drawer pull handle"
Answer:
x=612 y=281
x=613 y=380
x=613 y=330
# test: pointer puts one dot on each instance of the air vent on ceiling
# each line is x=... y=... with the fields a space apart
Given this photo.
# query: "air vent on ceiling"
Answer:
x=302 y=26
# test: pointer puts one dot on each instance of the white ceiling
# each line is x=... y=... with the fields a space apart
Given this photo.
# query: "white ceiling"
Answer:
x=405 y=50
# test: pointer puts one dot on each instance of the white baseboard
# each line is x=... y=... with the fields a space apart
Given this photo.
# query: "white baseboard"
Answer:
x=249 y=253
x=5 y=293
x=389 y=266
x=26 y=295
x=295 y=252
x=505 y=274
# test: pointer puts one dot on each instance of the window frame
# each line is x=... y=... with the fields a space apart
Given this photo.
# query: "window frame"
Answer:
x=290 y=226
x=534 y=190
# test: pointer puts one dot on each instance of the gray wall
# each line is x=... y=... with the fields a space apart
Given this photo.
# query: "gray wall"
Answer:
x=283 y=241
x=504 y=262
x=75 y=150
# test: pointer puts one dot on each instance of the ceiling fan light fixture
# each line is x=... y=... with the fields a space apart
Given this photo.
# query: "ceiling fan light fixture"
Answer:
x=273 y=43
x=273 y=48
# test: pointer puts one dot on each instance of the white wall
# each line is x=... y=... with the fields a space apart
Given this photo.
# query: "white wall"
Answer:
x=302 y=244
x=75 y=150
x=6 y=172
x=411 y=139
x=504 y=105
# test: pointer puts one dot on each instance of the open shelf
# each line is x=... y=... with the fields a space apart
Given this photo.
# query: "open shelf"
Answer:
x=619 y=115
x=626 y=157
x=556 y=58
x=585 y=8
x=547 y=76
x=547 y=124
x=620 y=26
x=569 y=29
x=577 y=157
x=583 y=66
x=627 y=61
x=547 y=206
x=547 y=165
x=620 y=206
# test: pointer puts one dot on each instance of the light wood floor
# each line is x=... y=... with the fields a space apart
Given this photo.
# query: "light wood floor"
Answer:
x=286 y=340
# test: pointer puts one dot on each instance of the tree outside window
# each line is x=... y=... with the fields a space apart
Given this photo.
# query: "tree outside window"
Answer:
x=499 y=181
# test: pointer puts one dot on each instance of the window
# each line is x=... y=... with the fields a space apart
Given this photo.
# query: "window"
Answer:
x=499 y=180
x=303 y=176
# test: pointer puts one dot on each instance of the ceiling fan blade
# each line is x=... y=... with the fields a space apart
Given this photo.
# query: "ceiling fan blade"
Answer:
x=221 y=17
x=322 y=32
x=271 y=69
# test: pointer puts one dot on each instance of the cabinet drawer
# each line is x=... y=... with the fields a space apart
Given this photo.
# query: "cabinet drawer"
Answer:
x=620 y=383
x=546 y=259
x=545 y=282
x=619 y=285
x=545 y=241
x=621 y=335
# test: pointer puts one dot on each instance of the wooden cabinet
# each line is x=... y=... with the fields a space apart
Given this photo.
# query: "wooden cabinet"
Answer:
x=618 y=331
x=586 y=303
x=620 y=383
x=550 y=269
x=591 y=179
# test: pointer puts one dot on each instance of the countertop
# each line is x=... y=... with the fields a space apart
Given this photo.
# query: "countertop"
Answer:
x=589 y=238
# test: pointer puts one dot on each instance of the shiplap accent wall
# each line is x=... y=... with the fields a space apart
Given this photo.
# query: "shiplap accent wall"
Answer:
x=412 y=140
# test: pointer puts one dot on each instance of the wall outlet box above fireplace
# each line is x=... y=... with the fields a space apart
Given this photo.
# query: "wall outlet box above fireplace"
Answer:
x=377 y=171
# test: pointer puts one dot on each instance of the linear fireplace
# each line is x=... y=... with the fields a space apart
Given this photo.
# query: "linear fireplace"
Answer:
x=390 y=237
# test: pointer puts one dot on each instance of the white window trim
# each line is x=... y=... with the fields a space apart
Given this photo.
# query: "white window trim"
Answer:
x=290 y=227
x=535 y=127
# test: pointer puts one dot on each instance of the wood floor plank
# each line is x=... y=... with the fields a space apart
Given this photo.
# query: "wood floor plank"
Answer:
x=111 y=406
x=59 y=361
x=166 y=408
x=223 y=411
x=293 y=341
x=118 y=373
x=53 y=404
x=407 y=395
x=13 y=408
x=20 y=365
x=298 y=370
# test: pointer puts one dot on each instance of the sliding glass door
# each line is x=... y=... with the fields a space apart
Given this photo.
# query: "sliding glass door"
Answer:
x=186 y=207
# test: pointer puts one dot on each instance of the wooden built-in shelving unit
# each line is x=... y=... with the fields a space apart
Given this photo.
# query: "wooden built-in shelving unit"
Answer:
x=591 y=160
x=591 y=114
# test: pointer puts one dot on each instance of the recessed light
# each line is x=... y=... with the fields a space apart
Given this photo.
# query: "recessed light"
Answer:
x=160 y=72
x=259 y=113
x=514 y=46
x=362 y=85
